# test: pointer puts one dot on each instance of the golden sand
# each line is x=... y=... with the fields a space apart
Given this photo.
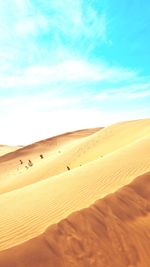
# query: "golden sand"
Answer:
x=78 y=169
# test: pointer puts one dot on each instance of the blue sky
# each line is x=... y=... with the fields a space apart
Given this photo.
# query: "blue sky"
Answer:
x=71 y=64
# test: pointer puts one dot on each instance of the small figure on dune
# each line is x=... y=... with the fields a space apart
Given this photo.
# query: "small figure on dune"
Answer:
x=68 y=168
x=21 y=162
x=41 y=156
x=30 y=163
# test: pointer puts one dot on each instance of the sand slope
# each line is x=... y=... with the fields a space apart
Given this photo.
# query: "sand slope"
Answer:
x=46 y=145
x=114 y=232
x=7 y=149
x=12 y=171
x=99 y=145
x=29 y=210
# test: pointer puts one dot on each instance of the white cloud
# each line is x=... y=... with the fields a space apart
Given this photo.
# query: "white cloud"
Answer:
x=78 y=19
x=32 y=25
x=70 y=30
x=30 y=118
x=27 y=125
x=47 y=32
x=133 y=91
x=101 y=96
x=138 y=95
x=68 y=71
x=133 y=87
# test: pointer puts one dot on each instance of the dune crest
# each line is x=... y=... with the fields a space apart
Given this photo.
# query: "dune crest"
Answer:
x=49 y=148
x=113 y=232
x=59 y=153
x=7 y=149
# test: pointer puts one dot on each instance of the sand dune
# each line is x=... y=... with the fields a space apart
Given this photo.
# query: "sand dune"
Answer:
x=114 y=232
x=101 y=161
x=7 y=149
x=30 y=209
x=46 y=145
x=75 y=154
x=52 y=147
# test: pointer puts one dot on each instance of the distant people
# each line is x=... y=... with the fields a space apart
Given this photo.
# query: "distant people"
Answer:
x=41 y=156
x=68 y=168
x=21 y=162
x=30 y=163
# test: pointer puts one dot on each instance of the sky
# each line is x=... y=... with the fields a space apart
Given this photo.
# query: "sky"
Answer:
x=71 y=64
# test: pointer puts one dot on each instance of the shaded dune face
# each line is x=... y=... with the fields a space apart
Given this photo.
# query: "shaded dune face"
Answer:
x=7 y=149
x=113 y=232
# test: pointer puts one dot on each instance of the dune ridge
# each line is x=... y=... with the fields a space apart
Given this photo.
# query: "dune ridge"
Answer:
x=47 y=144
x=32 y=206
x=4 y=149
x=113 y=232
x=95 y=146
x=51 y=147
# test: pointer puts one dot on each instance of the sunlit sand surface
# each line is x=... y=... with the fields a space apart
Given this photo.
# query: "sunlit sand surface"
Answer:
x=80 y=203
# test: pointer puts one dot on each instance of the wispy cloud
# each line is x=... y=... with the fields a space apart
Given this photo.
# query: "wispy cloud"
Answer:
x=49 y=31
x=77 y=19
x=59 y=70
x=68 y=71
x=32 y=26
x=47 y=115
x=53 y=113
x=131 y=91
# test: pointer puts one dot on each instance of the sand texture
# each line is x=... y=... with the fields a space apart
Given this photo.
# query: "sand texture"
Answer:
x=7 y=149
x=81 y=204
x=113 y=232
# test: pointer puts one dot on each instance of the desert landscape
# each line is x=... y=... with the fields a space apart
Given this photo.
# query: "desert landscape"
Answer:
x=79 y=199
x=74 y=133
